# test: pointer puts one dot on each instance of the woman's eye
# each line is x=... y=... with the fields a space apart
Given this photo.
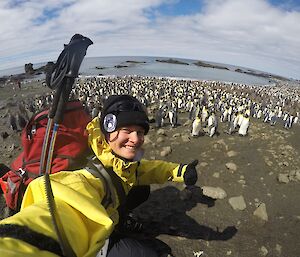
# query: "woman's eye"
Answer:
x=140 y=133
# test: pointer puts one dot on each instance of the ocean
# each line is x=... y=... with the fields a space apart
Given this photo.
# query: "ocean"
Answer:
x=148 y=66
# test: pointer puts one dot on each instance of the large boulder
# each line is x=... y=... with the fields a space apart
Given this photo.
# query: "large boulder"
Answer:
x=29 y=68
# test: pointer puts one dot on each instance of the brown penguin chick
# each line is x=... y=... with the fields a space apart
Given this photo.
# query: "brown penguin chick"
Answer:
x=21 y=121
x=22 y=110
x=12 y=122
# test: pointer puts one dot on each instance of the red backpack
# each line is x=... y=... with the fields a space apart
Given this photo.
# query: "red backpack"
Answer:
x=70 y=151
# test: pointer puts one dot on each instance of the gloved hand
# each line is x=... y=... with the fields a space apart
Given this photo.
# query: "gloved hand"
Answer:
x=190 y=176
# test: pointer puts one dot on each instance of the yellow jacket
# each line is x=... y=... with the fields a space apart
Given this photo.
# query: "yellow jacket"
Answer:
x=78 y=197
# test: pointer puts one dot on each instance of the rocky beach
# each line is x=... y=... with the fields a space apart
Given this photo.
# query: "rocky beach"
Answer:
x=246 y=200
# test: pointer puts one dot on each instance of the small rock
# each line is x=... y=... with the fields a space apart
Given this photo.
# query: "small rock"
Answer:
x=228 y=252
x=263 y=251
x=288 y=147
x=203 y=164
x=241 y=181
x=231 y=166
x=278 y=249
x=222 y=142
x=147 y=140
x=160 y=140
x=187 y=123
x=261 y=212
x=215 y=146
x=292 y=175
x=214 y=192
x=177 y=135
x=216 y=175
x=185 y=138
x=237 y=203
x=161 y=132
x=269 y=163
x=285 y=164
x=231 y=153
x=297 y=175
x=283 y=178
x=166 y=151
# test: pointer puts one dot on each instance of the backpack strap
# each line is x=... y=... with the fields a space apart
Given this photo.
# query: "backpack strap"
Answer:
x=29 y=236
x=112 y=182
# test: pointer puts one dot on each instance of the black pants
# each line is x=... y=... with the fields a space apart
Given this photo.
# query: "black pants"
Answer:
x=125 y=246
x=129 y=247
x=137 y=195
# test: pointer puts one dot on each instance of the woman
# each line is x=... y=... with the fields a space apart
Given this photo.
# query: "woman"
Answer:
x=116 y=140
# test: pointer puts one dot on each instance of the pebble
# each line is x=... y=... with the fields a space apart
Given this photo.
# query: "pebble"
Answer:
x=216 y=175
x=166 y=151
x=298 y=175
x=185 y=138
x=214 y=192
x=263 y=251
x=160 y=140
x=161 y=132
x=147 y=140
x=269 y=163
x=232 y=153
x=261 y=212
x=285 y=164
x=203 y=164
x=231 y=166
x=283 y=178
x=237 y=203
x=278 y=248
x=241 y=181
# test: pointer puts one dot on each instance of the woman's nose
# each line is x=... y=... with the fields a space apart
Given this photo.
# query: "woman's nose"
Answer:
x=134 y=137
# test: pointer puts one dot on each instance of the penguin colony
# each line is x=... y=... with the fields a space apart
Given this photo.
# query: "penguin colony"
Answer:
x=206 y=102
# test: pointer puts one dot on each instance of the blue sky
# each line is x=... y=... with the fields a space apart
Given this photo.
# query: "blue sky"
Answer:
x=258 y=34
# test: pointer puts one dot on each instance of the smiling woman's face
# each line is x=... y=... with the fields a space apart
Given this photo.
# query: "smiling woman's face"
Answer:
x=127 y=141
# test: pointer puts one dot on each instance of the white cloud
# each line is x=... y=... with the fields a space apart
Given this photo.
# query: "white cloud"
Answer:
x=253 y=33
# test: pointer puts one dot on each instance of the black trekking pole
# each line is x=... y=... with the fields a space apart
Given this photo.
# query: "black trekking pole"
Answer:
x=65 y=71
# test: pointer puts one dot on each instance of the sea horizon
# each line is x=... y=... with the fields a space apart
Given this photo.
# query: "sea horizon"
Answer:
x=149 y=66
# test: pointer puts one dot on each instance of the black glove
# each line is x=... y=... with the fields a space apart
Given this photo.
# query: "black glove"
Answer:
x=190 y=176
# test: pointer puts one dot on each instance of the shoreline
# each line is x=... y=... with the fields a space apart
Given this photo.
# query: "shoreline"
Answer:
x=140 y=66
